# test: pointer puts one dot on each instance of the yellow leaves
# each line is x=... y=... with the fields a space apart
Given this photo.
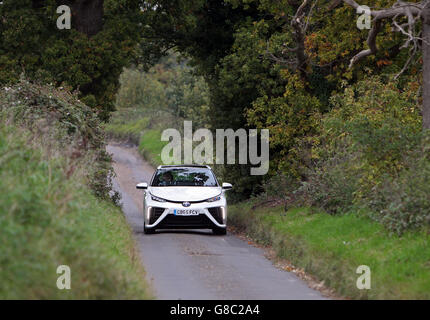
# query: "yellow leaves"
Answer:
x=348 y=75
x=381 y=63
x=288 y=268
x=285 y=73
x=345 y=53
x=314 y=155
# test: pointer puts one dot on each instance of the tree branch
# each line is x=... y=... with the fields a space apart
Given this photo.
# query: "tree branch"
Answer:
x=412 y=11
x=299 y=23
x=371 y=41
x=299 y=32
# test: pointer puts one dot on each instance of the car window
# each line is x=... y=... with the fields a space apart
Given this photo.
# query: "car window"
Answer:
x=184 y=177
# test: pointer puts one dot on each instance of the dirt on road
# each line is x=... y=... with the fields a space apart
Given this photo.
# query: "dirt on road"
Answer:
x=195 y=264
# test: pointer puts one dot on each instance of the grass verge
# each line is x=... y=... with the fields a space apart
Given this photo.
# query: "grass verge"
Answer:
x=55 y=202
x=48 y=219
x=133 y=127
x=332 y=247
x=128 y=130
x=151 y=145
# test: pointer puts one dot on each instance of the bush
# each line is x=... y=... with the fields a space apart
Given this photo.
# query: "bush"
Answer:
x=403 y=202
x=332 y=184
x=65 y=126
x=370 y=153
x=49 y=219
x=124 y=127
x=31 y=43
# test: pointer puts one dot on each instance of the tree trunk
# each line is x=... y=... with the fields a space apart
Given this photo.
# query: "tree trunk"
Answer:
x=87 y=15
x=426 y=68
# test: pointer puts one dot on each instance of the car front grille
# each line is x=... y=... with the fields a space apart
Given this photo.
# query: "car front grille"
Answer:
x=172 y=221
x=155 y=214
x=216 y=213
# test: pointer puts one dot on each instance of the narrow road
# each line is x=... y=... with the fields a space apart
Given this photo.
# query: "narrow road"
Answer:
x=194 y=264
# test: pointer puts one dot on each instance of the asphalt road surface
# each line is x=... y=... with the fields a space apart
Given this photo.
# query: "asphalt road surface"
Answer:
x=194 y=264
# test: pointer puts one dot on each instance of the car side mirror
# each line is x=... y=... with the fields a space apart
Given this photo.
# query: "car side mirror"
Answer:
x=142 y=185
x=227 y=186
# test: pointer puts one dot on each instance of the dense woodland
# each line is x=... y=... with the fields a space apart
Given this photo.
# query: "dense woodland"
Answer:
x=346 y=125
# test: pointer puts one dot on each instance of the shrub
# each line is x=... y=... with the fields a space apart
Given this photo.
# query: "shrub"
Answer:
x=49 y=219
x=331 y=184
x=403 y=202
x=370 y=153
x=65 y=125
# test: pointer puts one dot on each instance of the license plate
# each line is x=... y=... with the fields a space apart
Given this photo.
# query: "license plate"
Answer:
x=186 y=212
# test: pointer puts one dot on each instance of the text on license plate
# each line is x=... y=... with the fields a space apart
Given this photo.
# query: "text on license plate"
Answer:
x=186 y=212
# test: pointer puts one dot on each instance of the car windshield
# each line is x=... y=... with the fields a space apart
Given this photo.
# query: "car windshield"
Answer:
x=184 y=177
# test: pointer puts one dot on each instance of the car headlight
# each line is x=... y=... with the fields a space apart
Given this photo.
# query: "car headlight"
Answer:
x=218 y=197
x=157 y=199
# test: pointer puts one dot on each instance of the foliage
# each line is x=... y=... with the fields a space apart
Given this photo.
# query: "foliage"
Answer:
x=55 y=204
x=140 y=90
x=402 y=202
x=330 y=248
x=288 y=118
x=31 y=43
x=202 y=30
x=370 y=153
x=170 y=86
x=188 y=98
x=251 y=76
x=244 y=78
x=128 y=130
x=48 y=219
x=151 y=146
x=65 y=126
x=163 y=97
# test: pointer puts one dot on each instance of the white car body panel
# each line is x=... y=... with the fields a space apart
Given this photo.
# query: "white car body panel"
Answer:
x=184 y=197
x=185 y=193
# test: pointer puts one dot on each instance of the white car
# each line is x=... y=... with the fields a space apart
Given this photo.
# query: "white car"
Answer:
x=184 y=196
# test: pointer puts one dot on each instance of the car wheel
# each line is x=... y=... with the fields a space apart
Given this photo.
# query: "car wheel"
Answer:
x=148 y=230
x=219 y=231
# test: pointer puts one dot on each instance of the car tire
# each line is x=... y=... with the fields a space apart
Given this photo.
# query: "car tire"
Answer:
x=148 y=230
x=219 y=231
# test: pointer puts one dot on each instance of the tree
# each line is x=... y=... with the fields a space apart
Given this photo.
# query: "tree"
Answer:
x=88 y=58
x=404 y=17
x=299 y=25
x=87 y=15
x=413 y=13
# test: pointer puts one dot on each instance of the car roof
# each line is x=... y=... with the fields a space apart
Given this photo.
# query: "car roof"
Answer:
x=184 y=166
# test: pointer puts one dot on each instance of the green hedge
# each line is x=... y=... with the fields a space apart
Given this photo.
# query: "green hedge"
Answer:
x=332 y=247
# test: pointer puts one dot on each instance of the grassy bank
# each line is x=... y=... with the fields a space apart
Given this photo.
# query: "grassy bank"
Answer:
x=49 y=220
x=136 y=132
x=332 y=247
x=149 y=102
x=130 y=131
x=150 y=146
x=54 y=203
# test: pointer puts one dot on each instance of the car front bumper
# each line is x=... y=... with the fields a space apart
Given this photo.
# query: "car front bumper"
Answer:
x=160 y=215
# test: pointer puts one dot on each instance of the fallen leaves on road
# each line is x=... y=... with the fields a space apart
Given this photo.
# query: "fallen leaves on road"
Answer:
x=286 y=265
